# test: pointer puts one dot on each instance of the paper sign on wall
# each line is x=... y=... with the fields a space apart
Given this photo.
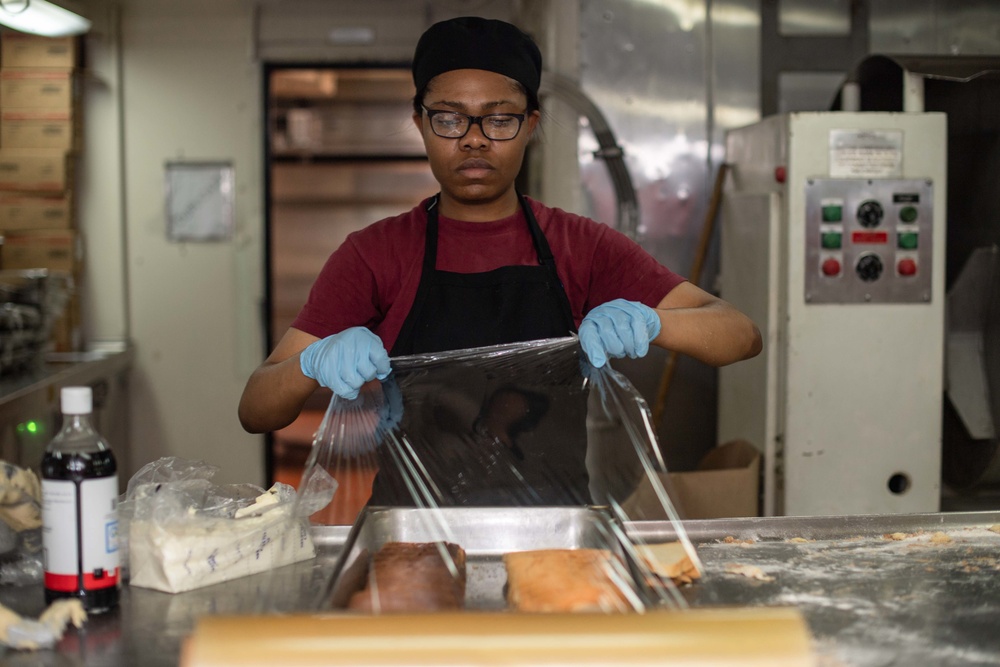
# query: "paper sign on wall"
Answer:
x=200 y=201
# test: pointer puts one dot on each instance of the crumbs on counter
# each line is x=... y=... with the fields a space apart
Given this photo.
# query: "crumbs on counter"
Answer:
x=899 y=537
x=979 y=564
x=799 y=540
x=938 y=538
x=729 y=539
x=995 y=528
x=748 y=571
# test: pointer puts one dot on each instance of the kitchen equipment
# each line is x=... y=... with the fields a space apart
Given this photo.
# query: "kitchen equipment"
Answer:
x=972 y=374
x=30 y=302
x=833 y=242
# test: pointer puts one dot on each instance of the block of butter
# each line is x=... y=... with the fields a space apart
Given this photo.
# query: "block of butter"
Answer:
x=178 y=556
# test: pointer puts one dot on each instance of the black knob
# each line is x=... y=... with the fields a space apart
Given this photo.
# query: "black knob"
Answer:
x=869 y=267
x=870 y=213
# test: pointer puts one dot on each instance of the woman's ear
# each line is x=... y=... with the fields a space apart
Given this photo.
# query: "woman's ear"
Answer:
x=532 y=121
x=418 y=121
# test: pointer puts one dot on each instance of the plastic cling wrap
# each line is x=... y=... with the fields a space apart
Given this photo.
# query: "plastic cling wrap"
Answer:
x=527 y=425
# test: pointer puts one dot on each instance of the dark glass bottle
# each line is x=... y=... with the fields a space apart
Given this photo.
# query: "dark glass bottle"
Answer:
x=80 y=510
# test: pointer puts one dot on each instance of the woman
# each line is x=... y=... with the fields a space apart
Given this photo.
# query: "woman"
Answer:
x=479 y=264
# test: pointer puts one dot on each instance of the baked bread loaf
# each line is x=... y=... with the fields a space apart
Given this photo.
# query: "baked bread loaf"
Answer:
x=563 y=580
x=412 y=577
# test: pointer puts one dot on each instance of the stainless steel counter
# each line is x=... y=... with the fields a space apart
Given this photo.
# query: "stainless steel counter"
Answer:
x=928 y=595
x=60 y=369
x=147 y=628
x=877 y=590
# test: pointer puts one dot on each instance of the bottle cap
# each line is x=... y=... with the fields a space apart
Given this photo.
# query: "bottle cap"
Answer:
x=77 y=400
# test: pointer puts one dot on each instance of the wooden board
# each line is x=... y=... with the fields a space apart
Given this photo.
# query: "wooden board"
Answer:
x=772 y=637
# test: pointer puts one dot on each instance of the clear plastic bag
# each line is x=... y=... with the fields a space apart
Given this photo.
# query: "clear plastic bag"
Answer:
x=20 y=526
x=185 y=532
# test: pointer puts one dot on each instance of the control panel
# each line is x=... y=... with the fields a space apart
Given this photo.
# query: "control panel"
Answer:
x=868 y=240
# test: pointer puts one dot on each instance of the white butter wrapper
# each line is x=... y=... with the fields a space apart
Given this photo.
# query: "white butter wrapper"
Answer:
x=181 y=556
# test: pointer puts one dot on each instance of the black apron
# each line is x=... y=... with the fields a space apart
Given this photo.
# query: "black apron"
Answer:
x=521 y=463
x=512 y=304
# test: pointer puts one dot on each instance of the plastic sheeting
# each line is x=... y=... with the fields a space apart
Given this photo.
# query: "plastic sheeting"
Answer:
x=526 y=424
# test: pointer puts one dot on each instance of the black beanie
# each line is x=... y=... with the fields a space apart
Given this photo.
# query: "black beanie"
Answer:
x=471 y=42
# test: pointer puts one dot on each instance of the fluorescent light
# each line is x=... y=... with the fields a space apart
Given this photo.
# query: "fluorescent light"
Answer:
x=41 y=17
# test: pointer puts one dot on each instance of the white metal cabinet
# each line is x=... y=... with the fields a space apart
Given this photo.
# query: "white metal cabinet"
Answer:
x=833 y=240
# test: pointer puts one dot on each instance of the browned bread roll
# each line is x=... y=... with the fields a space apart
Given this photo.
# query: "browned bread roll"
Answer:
x=412 y=577
x=563 y=580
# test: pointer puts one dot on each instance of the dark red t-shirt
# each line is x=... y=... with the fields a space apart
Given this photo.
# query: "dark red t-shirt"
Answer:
x=371 y=279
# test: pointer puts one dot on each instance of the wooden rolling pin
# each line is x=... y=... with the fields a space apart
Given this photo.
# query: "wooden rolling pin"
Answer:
x=771 y=637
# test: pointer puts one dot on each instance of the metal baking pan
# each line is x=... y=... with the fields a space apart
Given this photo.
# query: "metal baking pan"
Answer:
x=485 y=534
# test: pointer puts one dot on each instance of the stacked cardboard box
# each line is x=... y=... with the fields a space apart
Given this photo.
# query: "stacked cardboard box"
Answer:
x=40 y=138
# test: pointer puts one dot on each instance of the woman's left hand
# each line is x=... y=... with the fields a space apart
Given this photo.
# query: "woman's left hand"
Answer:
x=617 y=329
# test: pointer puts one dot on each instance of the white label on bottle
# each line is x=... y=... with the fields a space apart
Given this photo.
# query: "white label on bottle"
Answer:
x=94 y=552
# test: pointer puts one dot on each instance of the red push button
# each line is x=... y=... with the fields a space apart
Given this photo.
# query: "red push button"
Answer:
x=831 y=267
x=907 y=267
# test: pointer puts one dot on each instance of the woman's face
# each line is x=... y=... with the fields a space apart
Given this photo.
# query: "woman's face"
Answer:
x=475 y=170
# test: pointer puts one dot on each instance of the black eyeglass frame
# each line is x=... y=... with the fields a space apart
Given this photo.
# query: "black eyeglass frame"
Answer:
x=474 y=120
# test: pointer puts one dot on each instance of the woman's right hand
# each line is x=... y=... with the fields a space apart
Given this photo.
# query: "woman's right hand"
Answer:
x=617 y=329
x=345 y=361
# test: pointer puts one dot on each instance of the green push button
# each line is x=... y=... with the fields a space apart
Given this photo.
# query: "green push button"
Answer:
x=831 y=240
x=833 y=213
x=908 y=214
x=907 y=241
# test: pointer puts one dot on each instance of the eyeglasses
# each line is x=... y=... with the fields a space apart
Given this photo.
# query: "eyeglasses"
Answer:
x=455 y=125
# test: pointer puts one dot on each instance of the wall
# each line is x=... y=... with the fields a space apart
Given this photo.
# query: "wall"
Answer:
x=175 y=80
x=671 y=77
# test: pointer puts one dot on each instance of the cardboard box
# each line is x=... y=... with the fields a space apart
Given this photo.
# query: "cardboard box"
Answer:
x=725 y=484
x=23 y=212
x=35 y=170
x=56 y=250
x=39 y=129
x=24 y=50
x=51 y=89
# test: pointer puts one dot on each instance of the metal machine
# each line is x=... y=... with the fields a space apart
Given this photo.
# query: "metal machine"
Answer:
x=833 y=241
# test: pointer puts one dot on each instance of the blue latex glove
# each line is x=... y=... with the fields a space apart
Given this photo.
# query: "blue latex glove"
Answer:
x=616 y=329
x=345 y=361
x=390 y=410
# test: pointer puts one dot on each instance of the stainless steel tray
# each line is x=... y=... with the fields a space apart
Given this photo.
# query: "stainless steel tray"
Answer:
x=485 y=534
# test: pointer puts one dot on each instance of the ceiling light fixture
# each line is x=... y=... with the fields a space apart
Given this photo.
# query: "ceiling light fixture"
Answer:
x=40 y=17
